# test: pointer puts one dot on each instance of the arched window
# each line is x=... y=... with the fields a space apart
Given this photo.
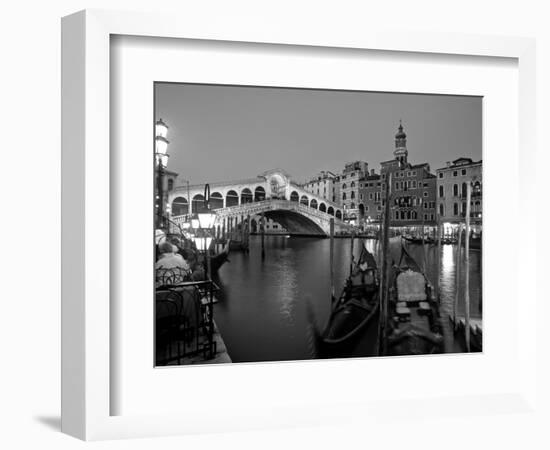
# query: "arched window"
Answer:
x=441 y=191
x=313 y=204
x=464 y=208
x=352 y=194
x=231 y=199
x=352 y=206
x=414 y=215
x=344 y=196
x=344 y=186
x=478 y=206
x=455 y=208
x=259 y=194
x=441 y=210
x=294 y=197
x=455 y=190
x=352 y=184
x=330 y=210
x=464 y=190
x=304 y=200
x=180 y=206
x=197 y=203
x=246 y=196
x=323 y=207
x=216 y=200
x=396 y=215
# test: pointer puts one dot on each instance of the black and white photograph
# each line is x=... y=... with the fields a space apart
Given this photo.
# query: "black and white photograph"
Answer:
x=295 y=224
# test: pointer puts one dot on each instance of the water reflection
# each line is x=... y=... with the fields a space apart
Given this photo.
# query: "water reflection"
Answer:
x=262 y=313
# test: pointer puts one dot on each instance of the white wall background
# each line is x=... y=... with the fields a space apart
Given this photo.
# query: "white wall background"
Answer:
x=30 y=186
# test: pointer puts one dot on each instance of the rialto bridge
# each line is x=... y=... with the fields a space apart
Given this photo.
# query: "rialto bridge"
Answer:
x=272 y=194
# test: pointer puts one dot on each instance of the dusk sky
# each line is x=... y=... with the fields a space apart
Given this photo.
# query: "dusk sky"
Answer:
x=223 y=133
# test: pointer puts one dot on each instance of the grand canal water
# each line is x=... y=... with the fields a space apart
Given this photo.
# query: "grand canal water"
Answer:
x=262 y=309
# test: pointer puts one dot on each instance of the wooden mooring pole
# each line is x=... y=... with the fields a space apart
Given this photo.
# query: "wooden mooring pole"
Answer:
x=467 y=269
x=457 y=274
x=262 y=230
x=438 y=273
x=332 y=259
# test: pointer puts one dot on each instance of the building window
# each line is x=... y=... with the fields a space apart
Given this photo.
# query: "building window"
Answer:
x=370 y=196
x=441 y=210
x=425 y=216
x=440 y=174
x=352 y=194
x=425 y=194
x=463 y=208
x=352 y=184
x=396 y=215
x=344 y=186
x=414 y=184
x=463 y=171
x=464 y=190
x=455 y=209
x=425 y=205
x=344 y=196
x=396 y=186
x=455 y=190
x=441 y=191
x=455 y=173
x=414 y=173
x=170 y=184
x=431 y=217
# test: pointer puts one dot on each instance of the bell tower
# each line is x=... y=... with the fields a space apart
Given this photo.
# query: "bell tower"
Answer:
x=400 y=151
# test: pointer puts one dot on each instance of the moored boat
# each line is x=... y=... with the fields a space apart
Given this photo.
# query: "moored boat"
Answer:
x=352 y=314
x=415 y=323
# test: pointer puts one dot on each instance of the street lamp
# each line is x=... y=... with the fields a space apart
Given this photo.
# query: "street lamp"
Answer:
x=161 y=157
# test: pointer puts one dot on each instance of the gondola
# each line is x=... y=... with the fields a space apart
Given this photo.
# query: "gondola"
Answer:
x=415 y=326
x=216 y=261
x=418 y=240
x=353 y=313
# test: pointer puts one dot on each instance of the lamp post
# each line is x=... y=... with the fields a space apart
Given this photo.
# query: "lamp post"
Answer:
x=161 y=159
x=203 y=224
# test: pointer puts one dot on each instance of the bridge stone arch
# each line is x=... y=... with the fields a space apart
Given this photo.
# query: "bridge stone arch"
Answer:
x=338 y=214
x=322 y=207
x=313 y=204
x=330 y=211
x=216 y=200
x=259 y=194
x=304 y=200
x=246 y=196
x=197 y=202
x=294 y=197
x=295 y=217
x=231 y=198
x=180 y=206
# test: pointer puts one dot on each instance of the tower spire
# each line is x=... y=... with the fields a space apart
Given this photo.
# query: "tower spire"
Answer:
x=400 y=151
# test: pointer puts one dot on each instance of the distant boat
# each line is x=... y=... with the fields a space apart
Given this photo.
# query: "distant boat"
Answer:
x=353 y=313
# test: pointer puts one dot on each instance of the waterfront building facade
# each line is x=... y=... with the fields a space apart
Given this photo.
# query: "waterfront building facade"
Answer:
x=452 y=182
x=370 y=198
x=323 y=185
x=348 y=186
x=413 y=189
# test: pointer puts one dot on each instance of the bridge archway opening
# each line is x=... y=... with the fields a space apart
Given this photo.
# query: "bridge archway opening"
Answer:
x=294 y=197
x=259 y=194
x=339 y=214
x=216 y=200
x=246 y=196
x=313 y=204
x=304 y=200
x=330 y=210
x=180 y=206
x=197 y=203
x=295 y=222
x=322 y=207
x=231 y=198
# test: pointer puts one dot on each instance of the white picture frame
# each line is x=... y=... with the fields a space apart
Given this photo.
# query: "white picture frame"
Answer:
x=87 y=385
